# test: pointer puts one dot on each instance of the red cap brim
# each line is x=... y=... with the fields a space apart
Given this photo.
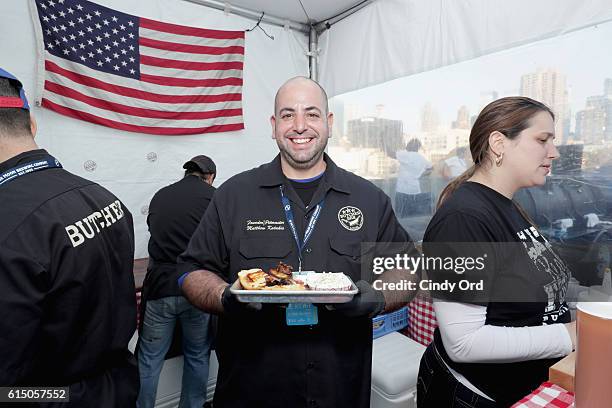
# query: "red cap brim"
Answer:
x=10 y=102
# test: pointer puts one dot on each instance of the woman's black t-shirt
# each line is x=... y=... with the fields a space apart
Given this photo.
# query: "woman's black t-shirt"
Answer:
x=525 y=287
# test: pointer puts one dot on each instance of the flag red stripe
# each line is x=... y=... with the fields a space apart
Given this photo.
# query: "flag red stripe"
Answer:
x=196 y=32
x=135 y=128
x=133 y=111
x=194 y=66
x=184 y=82
x=193 y=49
x=135 y=93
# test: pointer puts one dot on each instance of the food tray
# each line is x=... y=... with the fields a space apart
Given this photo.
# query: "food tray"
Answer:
x=294 y=296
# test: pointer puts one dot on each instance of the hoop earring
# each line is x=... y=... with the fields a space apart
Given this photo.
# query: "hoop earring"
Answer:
x=499 y=159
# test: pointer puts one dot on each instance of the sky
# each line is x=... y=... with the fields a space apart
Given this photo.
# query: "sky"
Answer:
x=584 y=56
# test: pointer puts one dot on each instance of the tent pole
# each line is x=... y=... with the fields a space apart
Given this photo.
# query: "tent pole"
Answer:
x=313 y=54
x=253 y=15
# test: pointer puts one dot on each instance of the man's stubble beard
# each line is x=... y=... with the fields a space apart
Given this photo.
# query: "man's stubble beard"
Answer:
x=302 y=164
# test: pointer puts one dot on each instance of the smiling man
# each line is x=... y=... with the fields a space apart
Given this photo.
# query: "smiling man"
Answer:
x=302 y=128
x=305 y=211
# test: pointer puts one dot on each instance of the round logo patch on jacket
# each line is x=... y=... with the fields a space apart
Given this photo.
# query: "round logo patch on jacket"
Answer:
x=350 y=218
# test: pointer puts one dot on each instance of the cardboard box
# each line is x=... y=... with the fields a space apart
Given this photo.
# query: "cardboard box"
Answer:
x=563 y=372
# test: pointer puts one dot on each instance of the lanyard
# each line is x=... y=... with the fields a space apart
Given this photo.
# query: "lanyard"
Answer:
x=309 y=228
x=48 y=162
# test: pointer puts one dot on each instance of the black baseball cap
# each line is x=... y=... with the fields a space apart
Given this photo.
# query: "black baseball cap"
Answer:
x=201 y=163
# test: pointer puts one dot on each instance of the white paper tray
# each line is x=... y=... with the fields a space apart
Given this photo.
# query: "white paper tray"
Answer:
x=293 y=296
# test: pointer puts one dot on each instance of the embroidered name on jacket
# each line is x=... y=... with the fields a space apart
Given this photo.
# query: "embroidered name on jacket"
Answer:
x=265 y=225
x=88 y=227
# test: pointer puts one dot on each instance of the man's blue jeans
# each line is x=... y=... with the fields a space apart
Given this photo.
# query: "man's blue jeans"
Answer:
x=158 y=327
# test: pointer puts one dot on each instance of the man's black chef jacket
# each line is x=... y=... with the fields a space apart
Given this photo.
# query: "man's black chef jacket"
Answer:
x=67 y=302
x=262 y=361
x=174 y=213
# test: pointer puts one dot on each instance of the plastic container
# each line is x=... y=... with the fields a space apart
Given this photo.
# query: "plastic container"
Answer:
x=395 y=368
x=594 y=355
x=390 y=322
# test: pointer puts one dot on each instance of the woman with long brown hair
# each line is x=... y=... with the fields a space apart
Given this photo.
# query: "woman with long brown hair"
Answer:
x=492 y=353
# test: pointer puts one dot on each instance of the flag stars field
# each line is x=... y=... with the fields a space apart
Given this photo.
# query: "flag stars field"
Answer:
x=119 y=70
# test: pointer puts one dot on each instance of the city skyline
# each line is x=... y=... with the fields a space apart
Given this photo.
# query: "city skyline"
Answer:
x=580 y=59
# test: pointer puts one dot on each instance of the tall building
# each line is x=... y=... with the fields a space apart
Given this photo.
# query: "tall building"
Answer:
x=594 y=123
x=549 y=87
x=608 y=86
x=430 y=120
x=566 y=124
x=380 y=165
x=608 y=123
x=336 y=106
x=352 y=111
x=590 y=122
x=435 y=141
x=486 y=97
x=463 y=118
x=608 y=95
x=439 y=144
x=378 y=133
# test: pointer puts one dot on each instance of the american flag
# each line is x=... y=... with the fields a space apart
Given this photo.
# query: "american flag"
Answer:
x=139 y=75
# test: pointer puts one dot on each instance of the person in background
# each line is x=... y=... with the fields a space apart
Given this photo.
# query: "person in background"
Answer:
x=174 y=213
x=409 y=200
x=492 y=352
x=307 y=212
x=67 y=296
x=456 y=164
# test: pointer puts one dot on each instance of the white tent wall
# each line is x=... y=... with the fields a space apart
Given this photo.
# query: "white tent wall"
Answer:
x=389 y=39
x=132 y=165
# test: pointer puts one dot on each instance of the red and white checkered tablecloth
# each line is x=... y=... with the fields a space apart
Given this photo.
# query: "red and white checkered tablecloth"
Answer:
x=422 y=320
x=547 y=395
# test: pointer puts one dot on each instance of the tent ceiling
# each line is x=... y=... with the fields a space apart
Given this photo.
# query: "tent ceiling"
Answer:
x=318 y=10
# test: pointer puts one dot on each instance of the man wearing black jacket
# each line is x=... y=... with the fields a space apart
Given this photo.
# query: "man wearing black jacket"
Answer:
x=308 y=355
x=174 y=213
x=67 y=302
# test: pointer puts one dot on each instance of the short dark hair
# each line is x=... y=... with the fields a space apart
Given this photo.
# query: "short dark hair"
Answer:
x=13 y=121
x=413 y=145
x=192 y=172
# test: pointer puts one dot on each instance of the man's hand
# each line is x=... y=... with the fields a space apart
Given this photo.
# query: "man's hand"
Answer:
x=367 y=303
x=232 y=306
